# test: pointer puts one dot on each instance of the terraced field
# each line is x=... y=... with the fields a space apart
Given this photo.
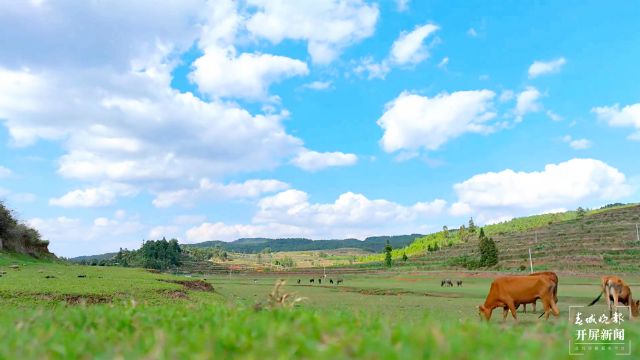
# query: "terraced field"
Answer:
x=604 y=240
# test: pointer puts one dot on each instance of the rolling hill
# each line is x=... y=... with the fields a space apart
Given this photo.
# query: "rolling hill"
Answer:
x=607 y=238
x=374 y=244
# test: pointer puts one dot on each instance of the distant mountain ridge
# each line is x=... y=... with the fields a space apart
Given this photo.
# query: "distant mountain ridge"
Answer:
x=372 y=244
x=256 y=245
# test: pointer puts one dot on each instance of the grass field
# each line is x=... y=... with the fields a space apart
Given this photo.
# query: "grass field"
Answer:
x=132 y=313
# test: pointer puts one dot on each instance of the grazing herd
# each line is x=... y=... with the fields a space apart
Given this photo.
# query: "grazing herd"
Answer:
x=509 y=292
x=313 y=280
x=449 y=283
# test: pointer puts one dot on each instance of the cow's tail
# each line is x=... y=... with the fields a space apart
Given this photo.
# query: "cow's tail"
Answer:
x=595 y=300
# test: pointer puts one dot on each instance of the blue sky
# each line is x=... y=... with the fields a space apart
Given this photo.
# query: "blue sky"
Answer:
x=208 y=120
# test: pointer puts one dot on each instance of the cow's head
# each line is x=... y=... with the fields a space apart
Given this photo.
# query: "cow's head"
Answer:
x=484 y=313
x=634 y=308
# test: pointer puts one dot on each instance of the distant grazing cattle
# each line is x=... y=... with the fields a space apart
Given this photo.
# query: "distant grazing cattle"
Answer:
x=459 y=282
x=617 y=291
x=330 y=281
x=49 y=277
x=339 y=281
x=320 y=281
x=311 y=281
x=82 y=276
x=511 y=291
x=298 y=281
x=446 y=282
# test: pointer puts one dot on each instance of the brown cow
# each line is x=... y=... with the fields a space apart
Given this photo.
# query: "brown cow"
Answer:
x=617 y=291
x=553 y=277
x=511 y=291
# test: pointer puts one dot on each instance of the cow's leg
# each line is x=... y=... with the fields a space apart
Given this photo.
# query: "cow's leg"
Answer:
x=607 y=293
x=505 y=312
x=547 y=307
x=524 y=309
x=554 y=308
x=512 y=307
x=615 y=302
x=534 y=306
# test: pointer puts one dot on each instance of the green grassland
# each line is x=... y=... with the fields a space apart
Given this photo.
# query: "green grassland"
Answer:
x=132 y=313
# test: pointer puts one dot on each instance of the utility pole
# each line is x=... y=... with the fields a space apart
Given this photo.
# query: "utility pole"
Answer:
x=637 y=233
x=530 y=261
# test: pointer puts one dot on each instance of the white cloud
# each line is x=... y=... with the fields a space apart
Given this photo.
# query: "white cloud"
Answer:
x=220 y=72
x=328 y=26
x=402 y=5
x=73 y=237
x=409 y=48
x=472 y=32
x=577 y=144
x=373 y=69
x=546 y=67
x=567 y=184
x=140 y=129
x=208 y=190
x=553 y=116
x=5 y=172
x=313 y=160
x=72 y=35
x=413 y=121
x=628 y=116
x=506 y=95
x=443 y=63
x=115 y=115
x=103 y=195
x=318 y=85
x=290 y=213
x=527 y=102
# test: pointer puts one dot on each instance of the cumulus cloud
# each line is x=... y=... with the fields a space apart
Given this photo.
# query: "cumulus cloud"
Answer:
x=290 y=213
x=409 y=48
x=313 y=160
x=539 y=68
x=615 y=116
x=72 y=236
x=208 y=190
x=527 y=102
x=567 y=184
x=220 y=72
x=577 y=144
x=103 y=195
x=328 y=26
x=413 y=121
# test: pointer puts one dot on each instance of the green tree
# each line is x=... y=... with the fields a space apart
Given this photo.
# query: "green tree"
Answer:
x=488 y=250
x=405 y=257
x=387 y=254
x=445 y=230
x=580 y=212
x=472 y=226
